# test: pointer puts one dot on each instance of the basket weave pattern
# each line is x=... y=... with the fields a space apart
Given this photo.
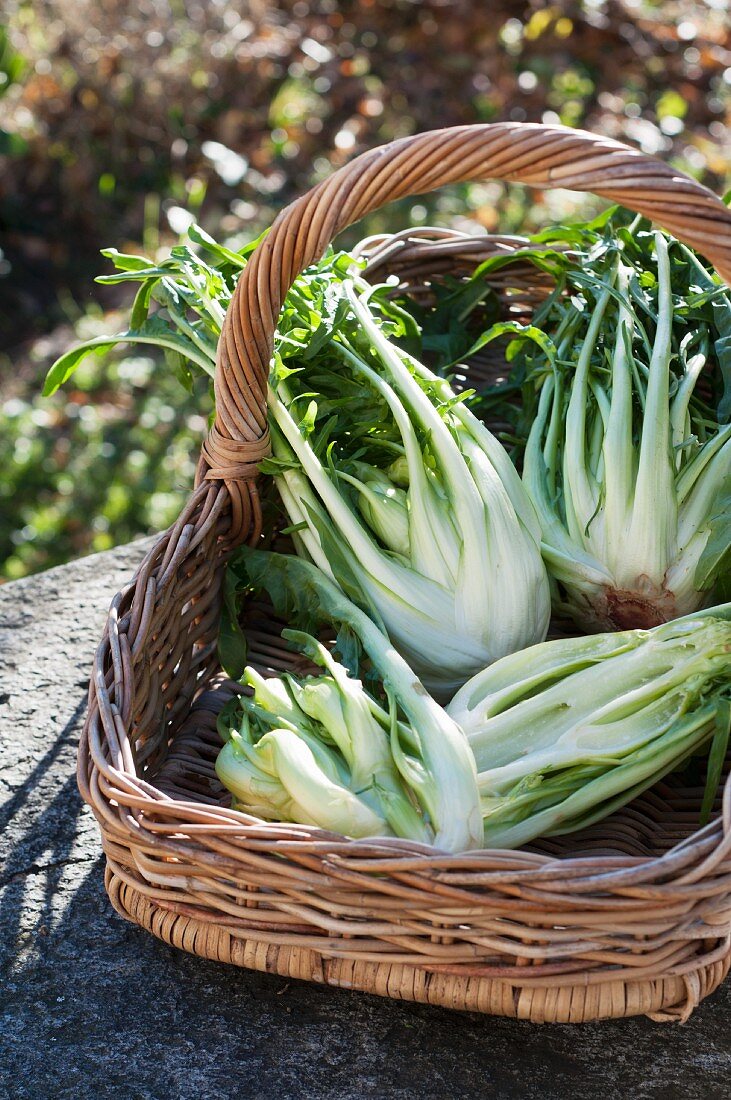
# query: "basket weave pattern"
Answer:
x=632 y=916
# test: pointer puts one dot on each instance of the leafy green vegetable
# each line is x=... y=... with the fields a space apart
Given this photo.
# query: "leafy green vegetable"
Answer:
x=153 y=330
x=434 y=761
x=281 y=776
x=395 y=490
x=627 y=461
x=567 y=731
x=190 y=294
x=402 y=497
x=348 y=734
x=390 y=484
x=562 y=733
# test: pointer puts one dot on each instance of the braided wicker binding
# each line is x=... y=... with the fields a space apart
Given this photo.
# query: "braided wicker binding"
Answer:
x=632 y=916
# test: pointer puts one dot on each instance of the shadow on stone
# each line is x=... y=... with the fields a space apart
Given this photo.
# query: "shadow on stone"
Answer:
x=41 y=840
x=15 y=804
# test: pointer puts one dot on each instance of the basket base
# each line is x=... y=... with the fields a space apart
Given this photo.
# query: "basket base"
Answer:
x=664 y=1000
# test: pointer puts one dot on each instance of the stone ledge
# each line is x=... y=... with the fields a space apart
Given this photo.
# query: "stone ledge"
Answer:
x=92 y=1007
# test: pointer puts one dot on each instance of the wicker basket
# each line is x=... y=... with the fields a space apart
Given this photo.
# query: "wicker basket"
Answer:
x=632 y=916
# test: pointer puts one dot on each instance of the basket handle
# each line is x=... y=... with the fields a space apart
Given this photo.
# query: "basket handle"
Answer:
x=536 y=155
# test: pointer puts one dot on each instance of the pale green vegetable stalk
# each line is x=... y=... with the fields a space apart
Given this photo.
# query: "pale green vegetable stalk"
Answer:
x=348 y=737
x=374 y=754
x=628 y=470
x=402 y=497
x=567 y=731
x=281 y=777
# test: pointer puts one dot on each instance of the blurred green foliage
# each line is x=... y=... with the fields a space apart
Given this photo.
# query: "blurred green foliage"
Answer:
x=122 y=121
x=111 y=456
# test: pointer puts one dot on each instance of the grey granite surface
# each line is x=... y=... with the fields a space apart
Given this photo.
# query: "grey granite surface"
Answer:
x=93 y=1007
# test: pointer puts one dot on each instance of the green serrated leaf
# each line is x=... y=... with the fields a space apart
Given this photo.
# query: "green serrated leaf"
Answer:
x=155 y=331
x=722 y=346
x=232 y=644
x=276 y=466
x=525 y=332
x=179 y=366
x=141 y=304
x=134 y=276
x=224 y=255
x=125 y=261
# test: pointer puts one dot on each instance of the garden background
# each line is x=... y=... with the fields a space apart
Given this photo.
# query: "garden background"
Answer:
x=121 y=122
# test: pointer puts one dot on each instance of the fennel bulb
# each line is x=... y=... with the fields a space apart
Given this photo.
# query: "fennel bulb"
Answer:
x=377 y=754
x=397 y=492
x=626 y=462
x=569 y=730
